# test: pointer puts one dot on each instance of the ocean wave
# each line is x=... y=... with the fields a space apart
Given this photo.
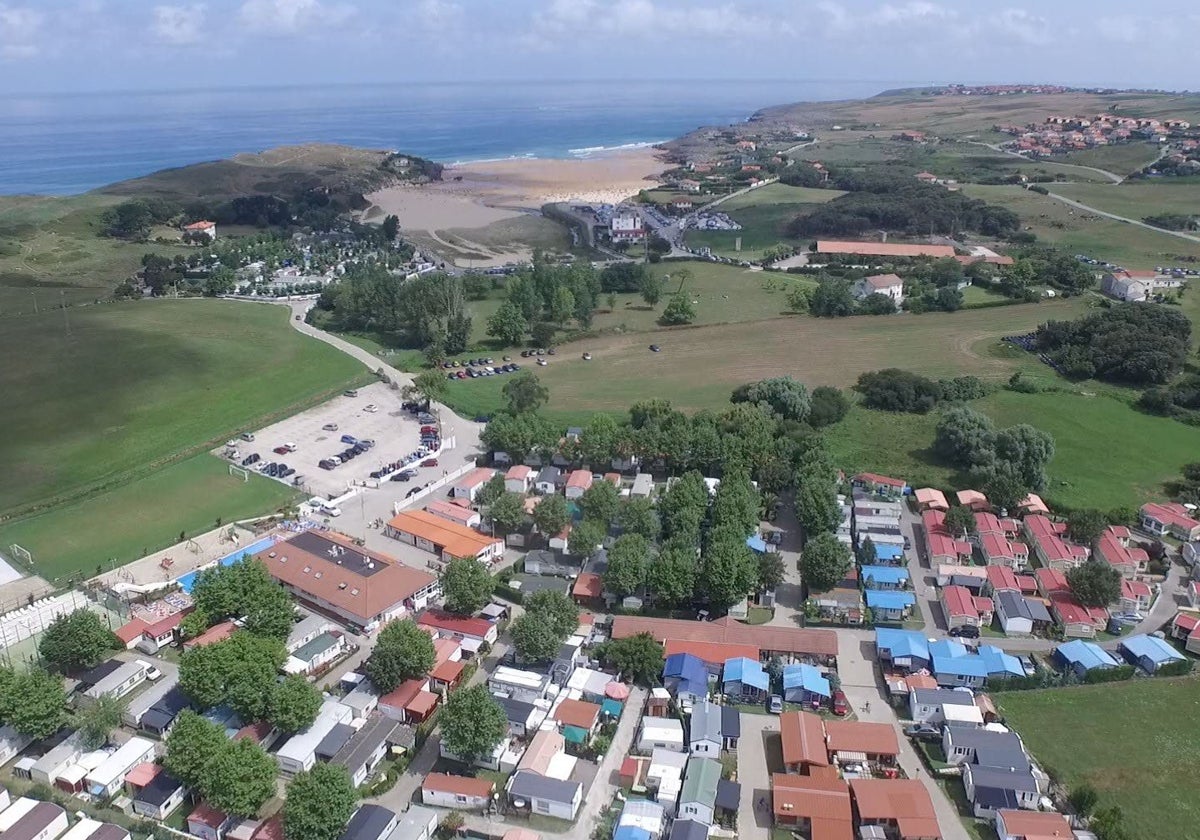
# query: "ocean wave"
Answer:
x=588 y=151
x=466 y=161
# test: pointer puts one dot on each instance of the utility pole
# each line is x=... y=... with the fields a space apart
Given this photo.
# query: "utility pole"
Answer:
x=66 y=317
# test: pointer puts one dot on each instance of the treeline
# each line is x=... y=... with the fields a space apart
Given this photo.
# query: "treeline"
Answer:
x=1180 y=399
x=899 y=390
x=1010 y=462
x=545 y=298
x=1133 y=344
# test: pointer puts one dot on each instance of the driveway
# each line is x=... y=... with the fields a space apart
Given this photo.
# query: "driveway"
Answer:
x=754 y=775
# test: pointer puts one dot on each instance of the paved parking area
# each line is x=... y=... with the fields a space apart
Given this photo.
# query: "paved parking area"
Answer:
x=396 y=434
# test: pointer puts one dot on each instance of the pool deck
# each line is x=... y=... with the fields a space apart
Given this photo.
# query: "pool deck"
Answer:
x=185 y=557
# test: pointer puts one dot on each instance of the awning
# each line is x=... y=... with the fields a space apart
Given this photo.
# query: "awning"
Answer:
x=575 y=735
x=611 y=707
x=846 y=756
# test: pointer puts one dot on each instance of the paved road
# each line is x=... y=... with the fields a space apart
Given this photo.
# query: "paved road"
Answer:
x=1135 y=222
x=1116 y=179
x=754 y=819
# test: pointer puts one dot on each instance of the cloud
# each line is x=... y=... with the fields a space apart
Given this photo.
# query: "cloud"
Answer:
x=563 y=23
x=917 y=12
x=440 y=14
x=19 y=30
x=178 y=25
x=1022 y=26
x=292 y=17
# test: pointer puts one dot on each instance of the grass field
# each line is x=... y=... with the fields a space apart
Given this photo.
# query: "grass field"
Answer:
x=1137 y=743
x=763 y=214
x=141 y=517
x=138 y=384
x=1136 y=199
x=1123 y=159
x=779 y=194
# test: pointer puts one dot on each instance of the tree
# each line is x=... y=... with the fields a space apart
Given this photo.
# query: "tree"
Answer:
x=671 y=576
x=600 y=502
x=1083 y=799
x=192 y=745
x=637 y=516
x=562 y=305
x=598 y=443
x=816 y=504
x=534 y=639
x=651 y=287
x=799 y=298
x=728 y=569
x=449 y=826
x=473 y=723
x=240 y=671
x=508 y=511
x=555 y=610
x=491 y=491
x=832 y=298
x=519 y=435
x=960 y=520
x=319 y=803
x=524 y=392
x=551 y=515
x=770 y=570
x=683 y=507
x=508 y=324
x=965 y=437
x=76 y=641
x=781 y=394
x=245 y=590
x=1095 y=583
x=390 y=227
x=1085 y=526
x=542 y=333
x=638 y=658
x=240 y=778
x=402 y=652
x=466 y=584
x=293 y=704
x=679 y=310
x=430 y=385
x=585 y=537
x=824 y=563
x=898 y=390
x=868 y=555
x=827 y=405
x=1028 y=451
x=626 y=570
x=1004 y=490
x=98 y=719
x=35 y=703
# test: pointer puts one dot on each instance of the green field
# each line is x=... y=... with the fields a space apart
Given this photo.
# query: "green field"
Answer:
x=1137 y=199
x=1123 y=159
x=1137 y=743
x=779 y=194
x=142 y=516
x=136 y=385
x=763 y=214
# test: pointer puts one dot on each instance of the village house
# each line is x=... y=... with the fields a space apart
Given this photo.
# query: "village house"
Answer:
x=953 y=664
x=660 y=733
x=1148 y=652
x=518 y=479
x=888 y=285
x=816 y=805
x=961 y=608
x=1081 y=657
x=1021 y=616
x=745 y=680
x=464 y=793
x=1131 y=286
x=901 y=807
x=1078 y=621
x=1170 y=518
x=578 y=483
x=203 y=228
x=904 y=650
x=1114 y=547
x=852 y=741
x=713 y=728
x=929 y=498
x=802 y=737
x=1032 y=825
x=806 y=685
x=1049 y=544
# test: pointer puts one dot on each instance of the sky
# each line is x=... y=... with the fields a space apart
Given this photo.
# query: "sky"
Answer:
x=80 y=46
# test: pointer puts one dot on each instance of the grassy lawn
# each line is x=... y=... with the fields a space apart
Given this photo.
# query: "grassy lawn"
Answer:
x=141 y=516
x=1123 y=159
x=779 y=194
x=1136 y=199
x=138 y=385
x=763 y=215
x=976 y=296
x=1135 y=747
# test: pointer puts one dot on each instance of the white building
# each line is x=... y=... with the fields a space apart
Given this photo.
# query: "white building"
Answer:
x=106 y=779
x=888 y=285
x=627 y=227
x=299 y=753
x=660 y=734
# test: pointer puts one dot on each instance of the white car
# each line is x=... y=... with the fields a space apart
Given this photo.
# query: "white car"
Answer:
x=152 y=672
x=370 y=409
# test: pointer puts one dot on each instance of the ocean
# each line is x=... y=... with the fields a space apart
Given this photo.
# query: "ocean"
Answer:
x=71 y=143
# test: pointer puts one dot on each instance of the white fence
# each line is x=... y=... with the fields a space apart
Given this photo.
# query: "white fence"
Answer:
x=448 y=478
x=21 y=624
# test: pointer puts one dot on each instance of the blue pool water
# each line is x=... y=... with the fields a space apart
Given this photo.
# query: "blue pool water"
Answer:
x=188 y=581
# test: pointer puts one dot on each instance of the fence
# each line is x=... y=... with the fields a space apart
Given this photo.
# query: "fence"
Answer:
x=25 y=622
x=448 y=478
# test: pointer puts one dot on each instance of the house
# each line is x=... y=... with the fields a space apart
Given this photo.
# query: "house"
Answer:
x=107 y=680
x=363 y=699
x=359 y=587
x=688 y=830
x=523 y=718
x=588 y=590
x=162 y=795
x=1032 y=825
x=660 y=733
x=577 y=719
x=640 y=819
x=1077 y=620
x=46 y=769
x=1170 y=518
x=1133 y=286
x=973 y=500
x=370 y=822
x=961 y=608
x=626 y=227
x=1050 y=581
x=207 y=823
x=817 y=646
x=929 y=498
x=29 y=819
x=411 y=702
x=1148 y=652
x=160 y=717
x=964 y=745
x=578 y=483
x=901 y=807
x=307 y=629
x=685 y=677
x=315 y=655
x=745 y=679
x=990 y=789
x=927 y=705
x=219 y=632
x=802 y=737
x=442 y=538
x=664 y=777
x=518 y=479
x=548 y=481
x=882 y=484
x=154 y=626
x=713 y=655
x=889 y=604
x=417 y=823
x=1032 y=504
x=803 y=683
x=538 y=794
x=818 y=805
x=107 y=778
x=643 y=486
x=442 y=790
x=1051 y=550
x=698 y=799
x=713 y=728
x=851 y=741
x=1114 y=547
x=884 y=577
x=202 y=228
x=1136 y=596
x=453 y=626
x=529 y=686
x=469 y=485
x=888 y=285
x=1020 y=616
x=459 y=512
x=954 y=665
x=366 y=748
x=905 y=650
x=90 y=829
x=998 y=550
x=1081 y=657
x=299 y=753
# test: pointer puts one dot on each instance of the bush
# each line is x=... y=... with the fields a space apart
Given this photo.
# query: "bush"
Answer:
x=1175 y=669
x=504 y=591
x=1105 y=675
x=898 y=390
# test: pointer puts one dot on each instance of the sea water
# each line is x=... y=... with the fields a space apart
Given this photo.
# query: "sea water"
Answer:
x=71 y=143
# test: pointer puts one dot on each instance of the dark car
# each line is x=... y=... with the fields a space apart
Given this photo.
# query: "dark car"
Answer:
x=654 y=348
x=401 y=476
x=965 y=631
x=252 y=458
x=413 y=492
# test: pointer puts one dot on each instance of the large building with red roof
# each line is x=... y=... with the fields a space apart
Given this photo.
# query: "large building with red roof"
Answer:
x=1050 y=545
x=1171 y=518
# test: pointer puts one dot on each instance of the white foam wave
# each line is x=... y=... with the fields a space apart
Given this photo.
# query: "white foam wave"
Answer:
x=588 y=151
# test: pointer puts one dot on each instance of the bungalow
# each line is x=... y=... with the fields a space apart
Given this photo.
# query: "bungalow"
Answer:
x=549 y=479
x=366 y=748
x=904 y=650
x=961 y=608
x=578 y=483
x=1050 y=581
x=459 y=512
x=1001 y=579
x=1000 y=551
x=802 y=736
x=149 y=636
x=889 y=605
x=449 y=625
x=990 y=789
x=942 y=548
x=588 y=590
x=363 y=699
x=542 y=795
x=315 y=655
x=888 y=285
x=160 y=796
x=972 y=499
x=643 y=486
x=713 y=728
x=417 y=823
x=1020 y=616
x=1081 y=657
x=529 y=686
x=1113 y=547
x=370 y=822
x=698 y=799
x=29 y=819
x=90 y=829
x=1032 y=825
x=818 y=805
x=964 y=745
x=804 y=684
x=902 y=808
x=640 y=819
x=207 y=823
x=1078 y=621
x=884 y=577
x=746 y=680
x=107 y=778
x=665 y=777
x=1148 y=652
x=577 y=719
x=1051 y=549
x=469 y=485
x=160 y=717
x=879 y=484
x=443 y=790
x=929 y=498
x=660 y=733
x=111 y=679
x=928 y=705
x=1136 y=596
x=954 y=665
x=412 y=702
x=686 y=678
x=1032 y=504
x=299 y=753
x=852 y=741
x=518 y=479
x=46 y=769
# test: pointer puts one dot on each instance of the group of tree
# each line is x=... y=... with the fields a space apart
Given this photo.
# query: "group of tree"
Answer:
x=1095 y=583
x=467 y=584
x=893 y=389
x=319 y=803
x=32 y=702
x=245 y=591
x=402 y=652
x=472 y=723
x=969 y=440
x=134 y=219
x=1135 y=344
x=549 y=618
x=636 y=658
x=236 y=776
x=825 y=562
x=543 y=299
x=76 y=641
x=1179 y=399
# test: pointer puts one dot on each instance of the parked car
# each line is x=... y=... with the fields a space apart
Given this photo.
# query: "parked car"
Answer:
x=152 y=673
x=924 y=732
x=252 y=458
x=280 y=450
x=965 y=631
x=353 y=392
x=370 y=408
x=413 y=492
x=429 y=462
x=654 y=348
x=775 y=705
x=841 y=707
x=330 y=427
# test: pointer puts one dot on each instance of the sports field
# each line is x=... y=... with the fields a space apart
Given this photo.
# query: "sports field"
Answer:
x=142 y=516
x=134 y=386
x=1137 y=743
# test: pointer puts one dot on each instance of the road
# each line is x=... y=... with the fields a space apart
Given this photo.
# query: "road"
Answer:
x=1135 y=222
x=995 y=147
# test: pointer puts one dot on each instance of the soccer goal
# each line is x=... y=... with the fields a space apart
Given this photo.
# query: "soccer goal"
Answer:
x=22 y=554
x=239 y=472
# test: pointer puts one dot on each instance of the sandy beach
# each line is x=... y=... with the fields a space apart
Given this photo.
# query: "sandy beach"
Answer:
x=473 y=195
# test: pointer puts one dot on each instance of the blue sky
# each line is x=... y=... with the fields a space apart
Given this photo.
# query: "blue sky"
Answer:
x=95 y=45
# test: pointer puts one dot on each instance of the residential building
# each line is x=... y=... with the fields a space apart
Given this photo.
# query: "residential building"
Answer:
x=543 y=795
x=746 y=680
x=660 y=733
x=1171 y=518
x=109 y=681
x=1114 y=547
x=160 y=717
x=362 y=700
x=961 y=608
x=802 y=737
x=410 y=702
x=208 y=823
x=884 y=577
x=998 y=550
x=12 y=743
x=626 y=227
x=365 y=749
x=548 y=480
x=803 y=683
x=362 y=588
x=972 y=499
x=1148 y=652
x=1050 y=581
x=160 y=796
x=442 y=538
x=1049 y=545
x=850 y=741
x=904 y=650
x=643 y=486
x=889 y=604
x=1077 y=620
x=1020 y=616
x=929 y=498
x=1081 y=657
x=314 y=656
x=469 y=485
x=1132 y=286
x=954 y=665
x=89 y=829
x=529 y=686
x=883 y=249
x=577 y=719
x=46 y=769
x=817 y=805
x=578 y=483
x=875 y=483
x=465 y=793
x=698 y=798
x=307 y=629
x=888 y=285
x=713 y=728
x=640 y=819
x=29 y=819
x=965 y=745
x=901 y=807
x=219 y=632
x=155 y=625
x=1032 y=825
x=203 y=228
x=686 y=678
x=1136 y=596
x=990 y=789
x=464 y=628
x=418 y=823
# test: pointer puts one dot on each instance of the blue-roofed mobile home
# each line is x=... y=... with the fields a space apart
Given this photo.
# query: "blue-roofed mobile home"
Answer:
x=906 y=650
x=805 y=684
x=883 y=577
x=1082 y=656
x=686 y=677
x=890 y=604
x=1149 y=652
x=745 y=678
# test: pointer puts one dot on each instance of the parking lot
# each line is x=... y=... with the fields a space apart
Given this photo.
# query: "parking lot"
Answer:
x=396 y=434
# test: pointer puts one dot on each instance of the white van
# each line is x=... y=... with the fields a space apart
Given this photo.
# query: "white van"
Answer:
x=246 y=436
x=330 y=510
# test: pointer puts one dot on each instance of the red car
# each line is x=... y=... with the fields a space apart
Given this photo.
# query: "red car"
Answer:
x=428 y=429
x=280 y=450
x=429 y=462
x=841 y=708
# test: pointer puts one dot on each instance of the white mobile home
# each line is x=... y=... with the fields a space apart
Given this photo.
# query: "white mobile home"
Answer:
x=147 y=700
x=120 y=682
x=11 y=743
x=46 y=769
x=299 y=753
x=106 y=779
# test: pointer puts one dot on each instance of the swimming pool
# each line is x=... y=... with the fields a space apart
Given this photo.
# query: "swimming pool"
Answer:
x=188 y=581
